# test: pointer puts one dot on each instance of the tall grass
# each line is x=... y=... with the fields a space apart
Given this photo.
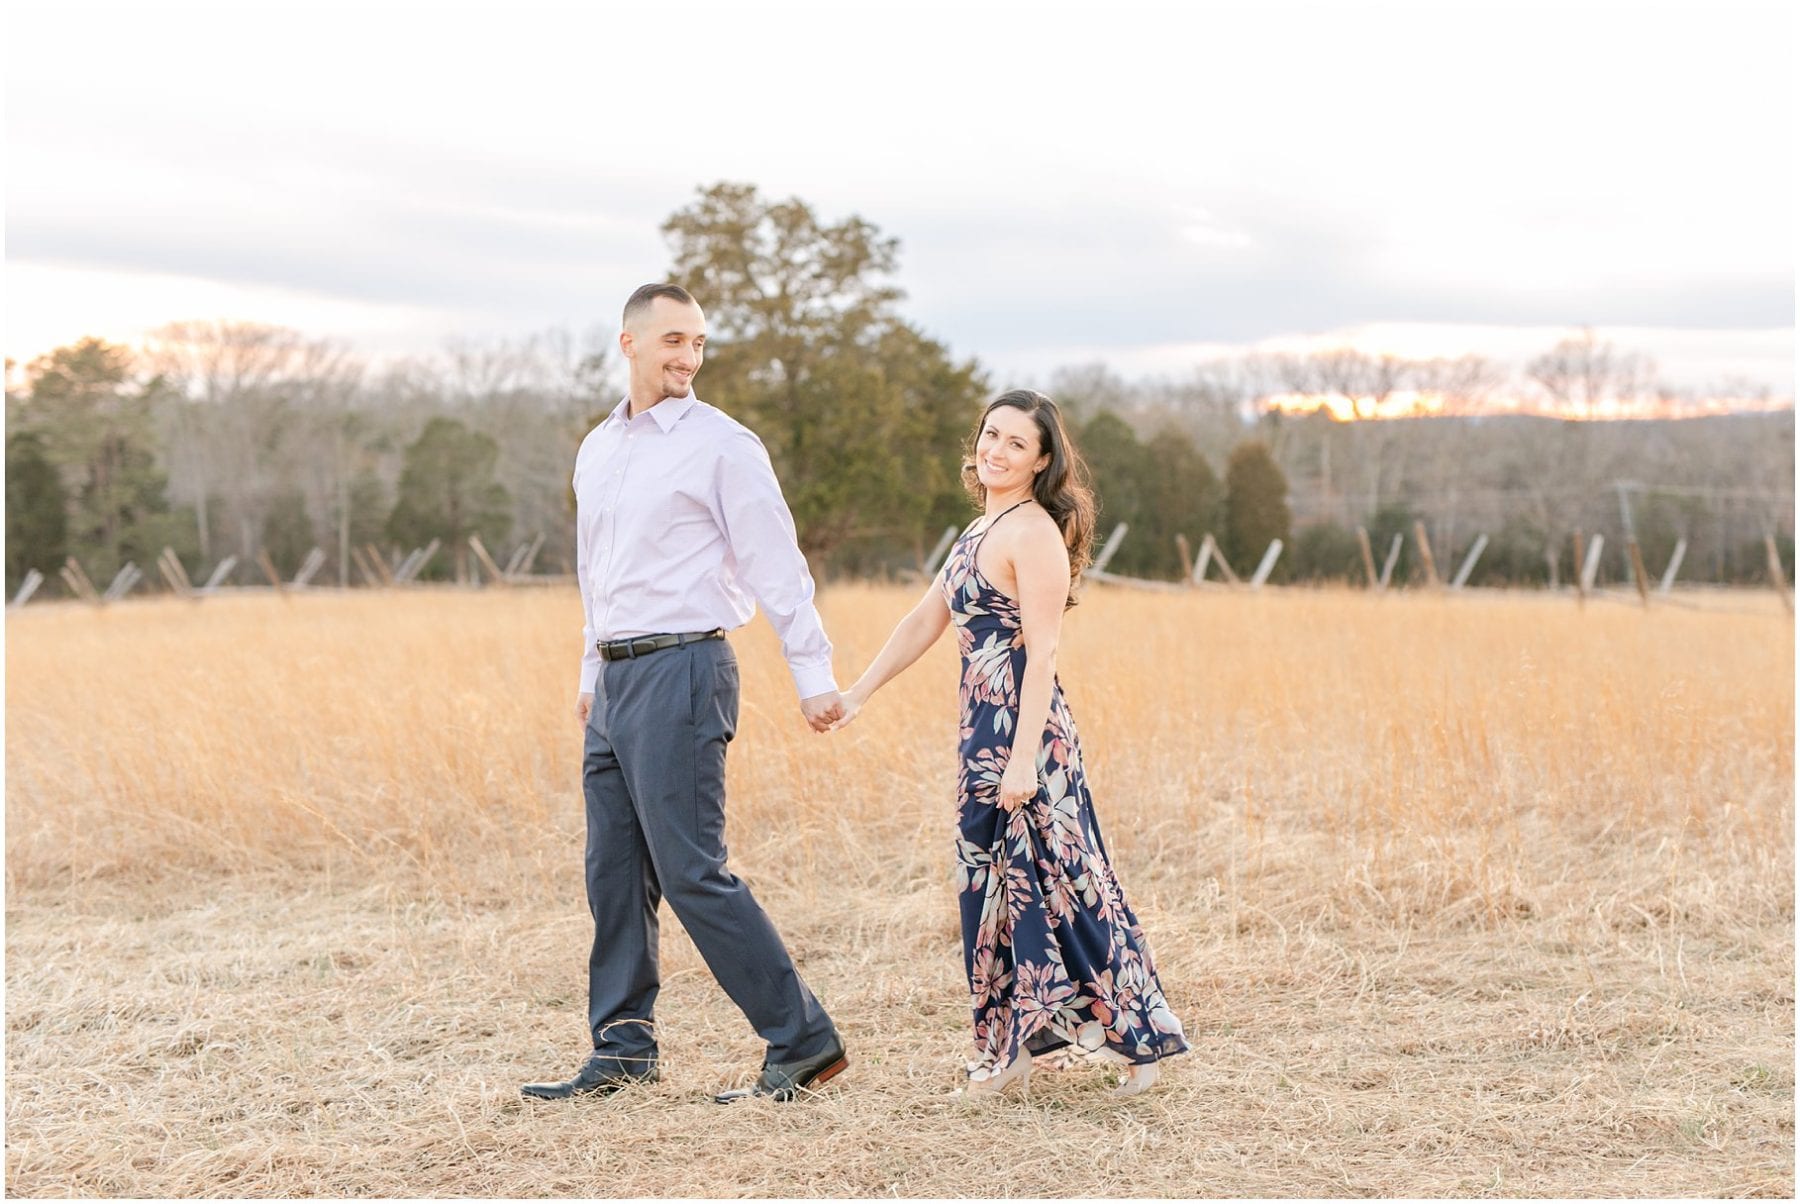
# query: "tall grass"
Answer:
x=1457 y=895
x=426 y=727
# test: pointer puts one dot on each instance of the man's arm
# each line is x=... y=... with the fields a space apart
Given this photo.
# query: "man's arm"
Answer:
x=759 y=529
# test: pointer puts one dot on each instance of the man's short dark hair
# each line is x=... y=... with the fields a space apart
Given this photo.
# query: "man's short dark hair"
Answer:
x=641 y=300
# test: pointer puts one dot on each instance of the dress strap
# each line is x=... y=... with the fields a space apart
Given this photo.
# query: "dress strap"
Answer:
x=982 y=534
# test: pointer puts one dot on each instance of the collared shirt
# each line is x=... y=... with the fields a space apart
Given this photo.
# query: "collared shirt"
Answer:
x=680 y=526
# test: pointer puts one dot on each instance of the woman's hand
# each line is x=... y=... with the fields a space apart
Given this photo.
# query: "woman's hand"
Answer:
x=1018 y=784
x=853 y=699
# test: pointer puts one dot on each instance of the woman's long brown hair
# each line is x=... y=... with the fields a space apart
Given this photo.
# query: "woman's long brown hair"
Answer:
x=1062 y=488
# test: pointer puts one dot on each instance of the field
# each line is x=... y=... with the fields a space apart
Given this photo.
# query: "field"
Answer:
x=1474 y=896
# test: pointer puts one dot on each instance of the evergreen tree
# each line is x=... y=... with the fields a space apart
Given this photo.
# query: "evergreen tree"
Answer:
x=1256 y=509
x=864 y=416
x=37 y=522
x=448 y=492
x=93 y=418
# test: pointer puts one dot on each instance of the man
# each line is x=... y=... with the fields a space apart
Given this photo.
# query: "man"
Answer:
x=680 y=530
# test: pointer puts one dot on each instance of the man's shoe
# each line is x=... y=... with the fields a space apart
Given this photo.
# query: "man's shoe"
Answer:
x=783 y=1081
x=599 y=1075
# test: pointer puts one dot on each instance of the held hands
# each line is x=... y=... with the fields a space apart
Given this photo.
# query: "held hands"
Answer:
x=1018 y=783
x=822 y=710
x=853 y=704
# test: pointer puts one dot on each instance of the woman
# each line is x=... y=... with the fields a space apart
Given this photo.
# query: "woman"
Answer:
x=1054 y=955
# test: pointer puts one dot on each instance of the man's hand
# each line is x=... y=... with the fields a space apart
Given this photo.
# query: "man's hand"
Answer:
x=822 y=710
x=853 y=703
x=584 y=706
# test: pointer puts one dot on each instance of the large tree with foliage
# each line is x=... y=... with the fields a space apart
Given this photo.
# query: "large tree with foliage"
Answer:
x=37 y=522
x=448 y=492
x=1256 y=509
x=862 y=413
x=91 y=413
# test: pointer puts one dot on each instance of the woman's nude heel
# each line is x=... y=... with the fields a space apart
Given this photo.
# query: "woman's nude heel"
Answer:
x=1139 y=1079
x=993 y=1083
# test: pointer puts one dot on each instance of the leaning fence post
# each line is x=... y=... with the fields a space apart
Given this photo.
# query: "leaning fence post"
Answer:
x=1777 y=577
x=362 y=566
x=27 y=587
x=170 y=566
x=1109 y=547
x=129 y=574
x=315 y=560
x=935 y=561
x=487 y=562
x=1577 y=576
x=1267 y=565
x=1468 y=564
x=267 y=565
x=1590 y=567
x=380 y=563
x=1393 y=558
x=1637 y=570
x=1431 y=573
x=1368 y=557
x=78 y=582
x=219 y=573
x=1668 y=577
x=1211 y=546
x=1183 y=552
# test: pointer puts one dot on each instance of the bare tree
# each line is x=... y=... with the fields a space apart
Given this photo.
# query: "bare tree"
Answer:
x=1588 y=377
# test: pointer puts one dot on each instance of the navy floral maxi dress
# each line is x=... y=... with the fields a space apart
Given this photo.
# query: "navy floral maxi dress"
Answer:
x=1054 y=954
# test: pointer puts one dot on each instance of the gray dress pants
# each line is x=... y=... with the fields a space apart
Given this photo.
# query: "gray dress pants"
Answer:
x=653 y=772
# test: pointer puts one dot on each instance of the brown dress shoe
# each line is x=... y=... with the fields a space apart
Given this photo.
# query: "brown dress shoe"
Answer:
x=783 y=1081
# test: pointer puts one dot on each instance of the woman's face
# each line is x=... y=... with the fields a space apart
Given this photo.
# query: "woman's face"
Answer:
x=1007 y=454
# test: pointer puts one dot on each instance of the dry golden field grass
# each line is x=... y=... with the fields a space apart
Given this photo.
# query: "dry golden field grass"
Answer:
x=1480 y=895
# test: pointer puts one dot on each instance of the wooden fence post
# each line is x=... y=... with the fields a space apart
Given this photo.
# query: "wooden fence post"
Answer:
x=315 y=560
x=1637 y=571
x=1777 y=577
x=27 y=587
x=1368 y=557
x=1109 y=547
x=1577 y=575
x=1668 y=577
x=1267 y=566
x=1468 y=564
x=369 y=575
x=78 y=582
x=1209 y=548
x=487 y=562
x=1431 y=573
x=939 y=550
x=380 y=563
x=267 y=565
x=1393 y=558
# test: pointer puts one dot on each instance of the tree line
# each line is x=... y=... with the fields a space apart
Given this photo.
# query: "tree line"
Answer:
x=228 y=438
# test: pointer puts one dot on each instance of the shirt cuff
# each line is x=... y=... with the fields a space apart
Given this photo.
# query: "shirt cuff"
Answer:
x=813 y=680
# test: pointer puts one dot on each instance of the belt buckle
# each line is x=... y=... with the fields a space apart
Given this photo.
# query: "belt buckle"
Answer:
x=649 y=646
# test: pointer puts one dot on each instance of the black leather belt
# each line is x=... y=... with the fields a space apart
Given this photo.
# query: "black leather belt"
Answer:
x=644 y=645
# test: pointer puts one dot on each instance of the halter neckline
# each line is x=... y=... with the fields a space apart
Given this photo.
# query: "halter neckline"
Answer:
x=989 y=525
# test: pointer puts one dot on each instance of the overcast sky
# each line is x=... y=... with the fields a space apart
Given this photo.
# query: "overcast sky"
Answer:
x=1144 y=184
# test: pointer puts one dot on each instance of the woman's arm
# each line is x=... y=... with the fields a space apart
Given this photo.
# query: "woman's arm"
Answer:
x=912 y=635
x=1040 y=564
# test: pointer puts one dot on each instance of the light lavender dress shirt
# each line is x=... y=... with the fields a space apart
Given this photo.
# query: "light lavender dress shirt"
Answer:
x=680 y=526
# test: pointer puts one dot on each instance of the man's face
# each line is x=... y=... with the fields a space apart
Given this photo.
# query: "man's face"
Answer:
x=665 y=346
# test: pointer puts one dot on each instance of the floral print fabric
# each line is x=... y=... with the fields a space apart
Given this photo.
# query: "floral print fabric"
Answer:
x=1053 y=952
